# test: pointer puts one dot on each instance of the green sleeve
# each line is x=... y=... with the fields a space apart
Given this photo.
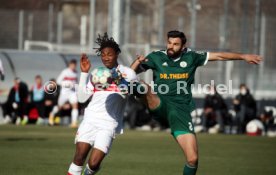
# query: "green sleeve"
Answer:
x=149 y=63
x=200 y=58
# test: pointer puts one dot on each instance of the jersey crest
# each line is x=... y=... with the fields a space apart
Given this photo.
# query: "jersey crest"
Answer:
x=183 y=64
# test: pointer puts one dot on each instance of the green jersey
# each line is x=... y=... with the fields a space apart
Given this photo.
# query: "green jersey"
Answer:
x=174 y=77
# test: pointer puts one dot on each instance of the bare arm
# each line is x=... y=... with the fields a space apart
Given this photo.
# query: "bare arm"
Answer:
x=83 y=91
x=226 y=56
x=136 y=64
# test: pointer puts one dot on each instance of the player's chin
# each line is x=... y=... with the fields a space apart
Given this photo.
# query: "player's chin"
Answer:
x=108 y=65
x=171 y=55
x=170 y=52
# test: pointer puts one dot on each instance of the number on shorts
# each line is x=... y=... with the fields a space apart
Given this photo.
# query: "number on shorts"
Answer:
x=190 y=126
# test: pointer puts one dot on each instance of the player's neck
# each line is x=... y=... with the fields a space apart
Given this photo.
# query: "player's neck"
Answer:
x=116 y=64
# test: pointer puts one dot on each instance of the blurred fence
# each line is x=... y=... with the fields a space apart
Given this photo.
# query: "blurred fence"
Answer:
x=246 y=26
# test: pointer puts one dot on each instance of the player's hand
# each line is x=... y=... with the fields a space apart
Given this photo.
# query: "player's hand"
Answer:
x=252 y=59
x=14 y=105
x=48 y=103
x=208 y=110
x=141 y=58
x=236 y=102
x=84 y=63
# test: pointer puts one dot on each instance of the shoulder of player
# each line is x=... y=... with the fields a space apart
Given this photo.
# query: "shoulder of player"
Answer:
x=126 y=71
x=65 y=71
x=123 y=68
x=157 y=53
x=68 y=70
x=193 y=53
x=198 y=52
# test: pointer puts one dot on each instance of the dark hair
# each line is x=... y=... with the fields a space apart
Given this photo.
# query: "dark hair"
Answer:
x=38 y=76
x=53 y=79
x=177 y=34
x=243 y=85
x=104 y=41
x=73 y=61
x=17 y=79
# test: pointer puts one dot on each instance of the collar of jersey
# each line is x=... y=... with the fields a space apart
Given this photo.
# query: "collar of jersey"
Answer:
x=177 y=59
x=171 y=62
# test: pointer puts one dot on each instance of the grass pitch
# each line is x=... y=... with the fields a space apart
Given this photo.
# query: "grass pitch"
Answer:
x=32 y=150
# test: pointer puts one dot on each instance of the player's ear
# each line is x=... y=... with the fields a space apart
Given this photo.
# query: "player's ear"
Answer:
x=183 y=47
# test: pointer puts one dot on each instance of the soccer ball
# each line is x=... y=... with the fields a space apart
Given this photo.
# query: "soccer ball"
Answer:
x=255 y=128
x=101 y=77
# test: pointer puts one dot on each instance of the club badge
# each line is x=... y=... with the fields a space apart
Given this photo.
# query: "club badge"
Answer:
x=183 y=64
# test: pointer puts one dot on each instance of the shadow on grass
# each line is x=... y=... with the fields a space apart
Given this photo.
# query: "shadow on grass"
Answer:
x=23 y=139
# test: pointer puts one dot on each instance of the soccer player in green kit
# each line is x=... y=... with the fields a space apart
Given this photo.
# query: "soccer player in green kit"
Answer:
x=175 y=68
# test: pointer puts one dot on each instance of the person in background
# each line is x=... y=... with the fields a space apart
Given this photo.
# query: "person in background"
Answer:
x=267 y=119
x=214 y=112
x=37 y=98
x=67 y=80
x=245 y=107
x=17 y=103
x=52 y=91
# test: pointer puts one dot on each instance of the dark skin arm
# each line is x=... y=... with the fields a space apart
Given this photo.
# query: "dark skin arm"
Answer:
x=85 y=64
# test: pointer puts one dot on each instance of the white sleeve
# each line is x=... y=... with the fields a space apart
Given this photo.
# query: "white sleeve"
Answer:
x=60 y=77
x=207 y=58
x=128 y=74
x=84 y=90
x=1 y=67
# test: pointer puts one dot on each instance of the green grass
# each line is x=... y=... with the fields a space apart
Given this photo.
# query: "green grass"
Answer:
x=33 y=150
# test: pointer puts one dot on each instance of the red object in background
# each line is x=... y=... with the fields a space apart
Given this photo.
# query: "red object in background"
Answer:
x=33 y=114
x=257 y=133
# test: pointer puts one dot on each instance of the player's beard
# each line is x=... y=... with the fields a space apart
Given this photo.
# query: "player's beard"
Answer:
x=174 y=54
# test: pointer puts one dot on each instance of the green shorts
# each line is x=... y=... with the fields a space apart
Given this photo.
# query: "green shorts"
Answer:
x=177 y=116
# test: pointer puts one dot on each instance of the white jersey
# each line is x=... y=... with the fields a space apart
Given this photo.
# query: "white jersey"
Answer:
x=107 y=106
x=1 y=67
x=67 y=80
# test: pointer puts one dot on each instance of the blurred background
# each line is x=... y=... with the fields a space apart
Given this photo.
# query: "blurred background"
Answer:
x=40 y=37
x=62 y=27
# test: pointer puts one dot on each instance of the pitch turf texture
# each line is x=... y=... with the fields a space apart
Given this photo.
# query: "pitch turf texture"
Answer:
x=32 y=150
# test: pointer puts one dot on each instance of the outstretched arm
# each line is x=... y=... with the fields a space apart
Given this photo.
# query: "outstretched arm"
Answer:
x=226 y=56
x=136 y=64
x=83 y=91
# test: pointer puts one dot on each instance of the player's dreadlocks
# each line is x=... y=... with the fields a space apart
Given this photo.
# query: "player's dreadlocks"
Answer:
x=104 y=41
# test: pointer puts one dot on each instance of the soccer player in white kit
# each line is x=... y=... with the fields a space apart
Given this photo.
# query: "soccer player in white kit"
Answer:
x=2 y=75
x=67 y=80
x=103 y=116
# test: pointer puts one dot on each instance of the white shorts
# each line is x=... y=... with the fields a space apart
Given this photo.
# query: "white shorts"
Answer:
x=97 y=137
x=67 y=96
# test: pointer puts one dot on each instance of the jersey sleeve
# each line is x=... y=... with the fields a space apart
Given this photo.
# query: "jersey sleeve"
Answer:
x=201 y=58
x=127 y=73
x=1 y=67
x=85 y=90
x=149 y=63
x=60 y=77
